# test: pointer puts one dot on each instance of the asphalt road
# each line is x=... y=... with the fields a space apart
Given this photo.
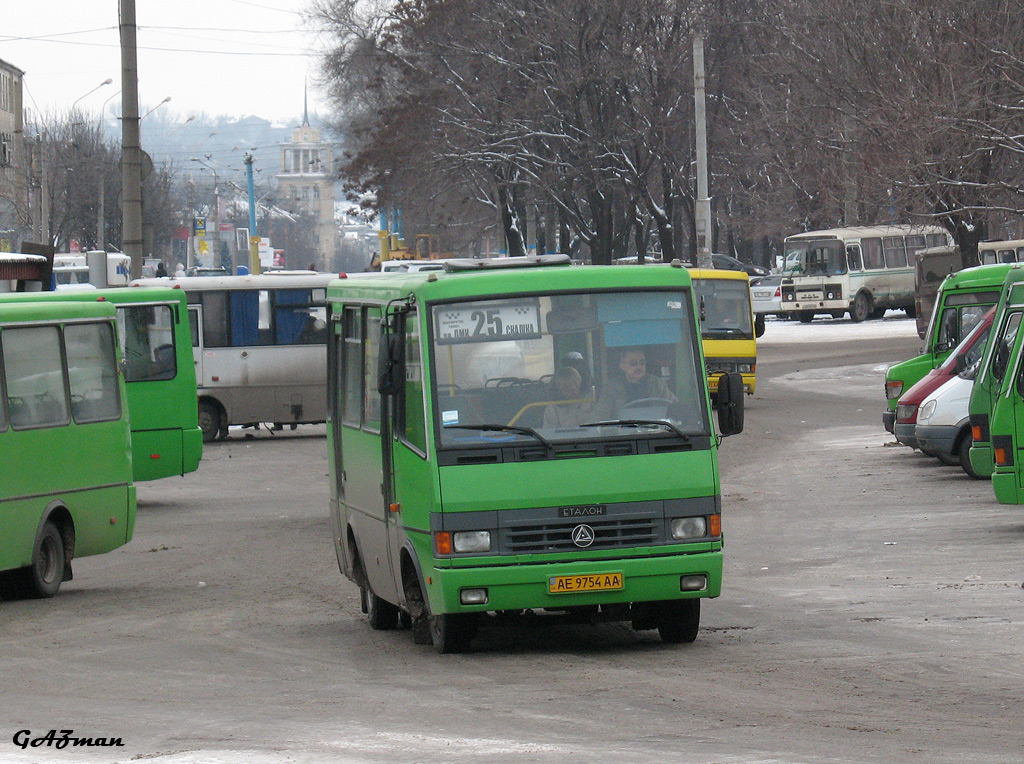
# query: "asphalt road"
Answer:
x=871 y=612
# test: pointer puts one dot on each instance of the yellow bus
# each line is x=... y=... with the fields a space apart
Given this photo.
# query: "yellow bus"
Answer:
x=726 y=325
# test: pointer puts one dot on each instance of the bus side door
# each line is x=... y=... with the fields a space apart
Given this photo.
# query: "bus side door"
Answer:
x=362 y=474
x=195 y=323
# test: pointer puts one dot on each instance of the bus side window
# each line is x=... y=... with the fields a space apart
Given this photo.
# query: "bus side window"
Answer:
x=352 y=358
x=853 y=257
x=34 y=377
x=92 y=373
x=371 y=398
x=413 y=424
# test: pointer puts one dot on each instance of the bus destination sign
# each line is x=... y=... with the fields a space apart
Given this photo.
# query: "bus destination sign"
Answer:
x=487 y=322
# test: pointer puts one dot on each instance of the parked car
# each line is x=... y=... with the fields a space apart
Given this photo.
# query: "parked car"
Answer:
x=730 y=263
x=943 y=423
x=966 y=353
x=765 y=299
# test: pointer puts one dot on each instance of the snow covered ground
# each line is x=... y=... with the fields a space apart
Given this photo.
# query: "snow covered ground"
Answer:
x=895 y=324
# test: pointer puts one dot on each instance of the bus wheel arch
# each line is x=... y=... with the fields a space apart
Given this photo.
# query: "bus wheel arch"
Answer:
x=862 y=308
x=52 y=551
x=213 y=420
x=963 y=451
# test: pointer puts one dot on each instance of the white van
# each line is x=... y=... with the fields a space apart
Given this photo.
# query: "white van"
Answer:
x=943 y=424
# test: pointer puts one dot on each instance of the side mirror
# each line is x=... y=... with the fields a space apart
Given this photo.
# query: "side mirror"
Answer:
x=729 y=402
x=961 y=364
x=391 y=365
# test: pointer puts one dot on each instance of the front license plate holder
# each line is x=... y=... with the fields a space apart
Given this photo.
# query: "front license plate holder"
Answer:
x=586 y=582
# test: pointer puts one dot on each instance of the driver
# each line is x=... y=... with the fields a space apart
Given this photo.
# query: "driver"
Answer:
x=634 y=383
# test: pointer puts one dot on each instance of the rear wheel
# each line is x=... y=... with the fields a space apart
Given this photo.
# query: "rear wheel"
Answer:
x=806 y=316
x=43 y=577
x=679 y=621
x=861 y=309
x=759 y=324
x=382 y=615
x=209 y=421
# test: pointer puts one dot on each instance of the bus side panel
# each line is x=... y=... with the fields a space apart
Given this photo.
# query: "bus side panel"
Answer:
x=418 y=494
x=103 y=515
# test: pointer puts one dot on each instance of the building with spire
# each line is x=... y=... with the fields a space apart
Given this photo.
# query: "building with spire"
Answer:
x=305 y=187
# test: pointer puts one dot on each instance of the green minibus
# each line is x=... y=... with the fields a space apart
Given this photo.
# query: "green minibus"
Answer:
x=518 y=435
x=993 y=385
x=963 y=298
x=66 y=490
x=160 y=374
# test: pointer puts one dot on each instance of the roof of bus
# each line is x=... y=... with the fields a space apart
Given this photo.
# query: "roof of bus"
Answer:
x=1007 y=244
x=857 y=232
x=979 y=276
x=717 y=273
x=28 y=310
x=110 y=294
x=486 y=283
x=276 y=280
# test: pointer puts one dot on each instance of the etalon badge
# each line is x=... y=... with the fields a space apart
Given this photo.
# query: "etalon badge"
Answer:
x=583 y=535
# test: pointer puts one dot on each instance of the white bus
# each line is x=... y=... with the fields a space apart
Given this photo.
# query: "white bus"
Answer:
x=991 y=252
x=863 y=270
x=259 y=344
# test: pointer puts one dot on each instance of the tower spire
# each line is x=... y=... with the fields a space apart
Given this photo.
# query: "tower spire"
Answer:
x=305 y=103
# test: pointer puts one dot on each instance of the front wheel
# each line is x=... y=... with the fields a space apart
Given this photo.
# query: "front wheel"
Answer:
x=861 y=309
x=964 y=452
x=452 y=632
x=679 y=621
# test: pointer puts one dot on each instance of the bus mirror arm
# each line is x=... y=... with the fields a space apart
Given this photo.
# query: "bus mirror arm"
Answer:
x=391 y=365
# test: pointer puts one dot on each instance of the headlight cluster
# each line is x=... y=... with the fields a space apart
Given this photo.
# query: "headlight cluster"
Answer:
x=462 y=542
x=926 y=411
x=689 y=528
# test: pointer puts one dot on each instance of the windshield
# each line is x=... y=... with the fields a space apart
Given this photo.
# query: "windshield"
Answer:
x=725 y=308
x=825 y=257
x=546 y=369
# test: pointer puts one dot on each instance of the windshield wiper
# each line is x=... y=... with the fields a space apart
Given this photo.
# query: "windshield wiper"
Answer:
x=504 y=428
x=639 y=423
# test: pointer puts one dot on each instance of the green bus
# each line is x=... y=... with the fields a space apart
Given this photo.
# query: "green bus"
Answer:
x=520 y=434
x=160 y=375
x=65 y=444
x=963 y=299
x=993 y=386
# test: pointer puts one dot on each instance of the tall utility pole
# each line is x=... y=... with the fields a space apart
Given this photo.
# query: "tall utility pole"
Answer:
x=131 y=146
x=254 y=238
x=702 y=208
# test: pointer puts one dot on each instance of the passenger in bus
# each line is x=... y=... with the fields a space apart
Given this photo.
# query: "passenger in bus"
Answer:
x=571 y=409
x=631 y=383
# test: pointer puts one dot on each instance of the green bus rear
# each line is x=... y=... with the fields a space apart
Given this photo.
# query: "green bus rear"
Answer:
x=489 y=453
x=963 y=298
x=160 y=374
x=66 y=489
x=993 y=394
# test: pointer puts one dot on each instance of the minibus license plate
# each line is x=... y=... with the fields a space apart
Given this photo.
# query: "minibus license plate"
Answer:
x=809 y=296
x=594 y=582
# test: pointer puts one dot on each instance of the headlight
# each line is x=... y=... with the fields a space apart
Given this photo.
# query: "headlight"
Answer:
x=893 y=388
x=471 y=541
x=926 y=411
x=744 y=368
x=689 y=528
x=905 y=411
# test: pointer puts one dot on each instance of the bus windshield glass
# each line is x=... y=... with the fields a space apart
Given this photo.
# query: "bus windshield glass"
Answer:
x=724 y=306
x=815 y=258
x=546 y=368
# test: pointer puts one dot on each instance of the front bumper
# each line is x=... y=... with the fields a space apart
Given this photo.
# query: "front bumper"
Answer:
x=889 y=420
x=937 y=439
x=521 y=587
x=906 y=434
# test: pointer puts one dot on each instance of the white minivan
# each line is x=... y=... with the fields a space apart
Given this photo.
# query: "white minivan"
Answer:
x=943 y=424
